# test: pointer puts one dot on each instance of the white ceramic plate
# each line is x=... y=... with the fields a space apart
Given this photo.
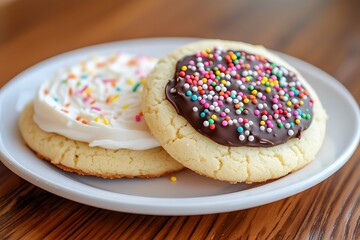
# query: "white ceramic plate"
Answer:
x=190 y=194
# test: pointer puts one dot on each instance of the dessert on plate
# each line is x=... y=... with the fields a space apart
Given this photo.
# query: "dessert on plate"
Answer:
x=233 y=111
x=87 y=119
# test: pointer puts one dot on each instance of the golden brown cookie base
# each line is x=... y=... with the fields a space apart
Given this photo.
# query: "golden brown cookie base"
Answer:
x=78 y=157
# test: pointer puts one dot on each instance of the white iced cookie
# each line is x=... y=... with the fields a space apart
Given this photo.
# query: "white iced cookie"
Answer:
x=87 y=119
x=98 y=101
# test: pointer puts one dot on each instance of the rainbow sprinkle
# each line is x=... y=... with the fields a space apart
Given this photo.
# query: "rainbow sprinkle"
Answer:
x=101 y=89
x=255 y=98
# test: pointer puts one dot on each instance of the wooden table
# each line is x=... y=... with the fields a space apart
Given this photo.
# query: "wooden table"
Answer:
x=324 y=33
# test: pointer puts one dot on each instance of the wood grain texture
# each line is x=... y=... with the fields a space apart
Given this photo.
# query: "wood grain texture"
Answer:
x=325 y=33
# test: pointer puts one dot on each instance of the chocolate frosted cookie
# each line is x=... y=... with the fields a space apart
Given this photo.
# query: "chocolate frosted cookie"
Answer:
x=233 y=111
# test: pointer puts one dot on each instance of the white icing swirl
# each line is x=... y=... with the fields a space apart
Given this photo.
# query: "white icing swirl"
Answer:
x=98 y=101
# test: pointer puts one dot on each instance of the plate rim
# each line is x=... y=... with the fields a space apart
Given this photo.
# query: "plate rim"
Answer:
x=158 y=203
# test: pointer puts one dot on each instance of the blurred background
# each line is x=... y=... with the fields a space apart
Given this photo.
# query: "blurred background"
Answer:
x=325 y=33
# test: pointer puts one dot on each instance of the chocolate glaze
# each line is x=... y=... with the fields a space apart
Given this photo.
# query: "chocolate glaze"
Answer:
x=229 y=135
